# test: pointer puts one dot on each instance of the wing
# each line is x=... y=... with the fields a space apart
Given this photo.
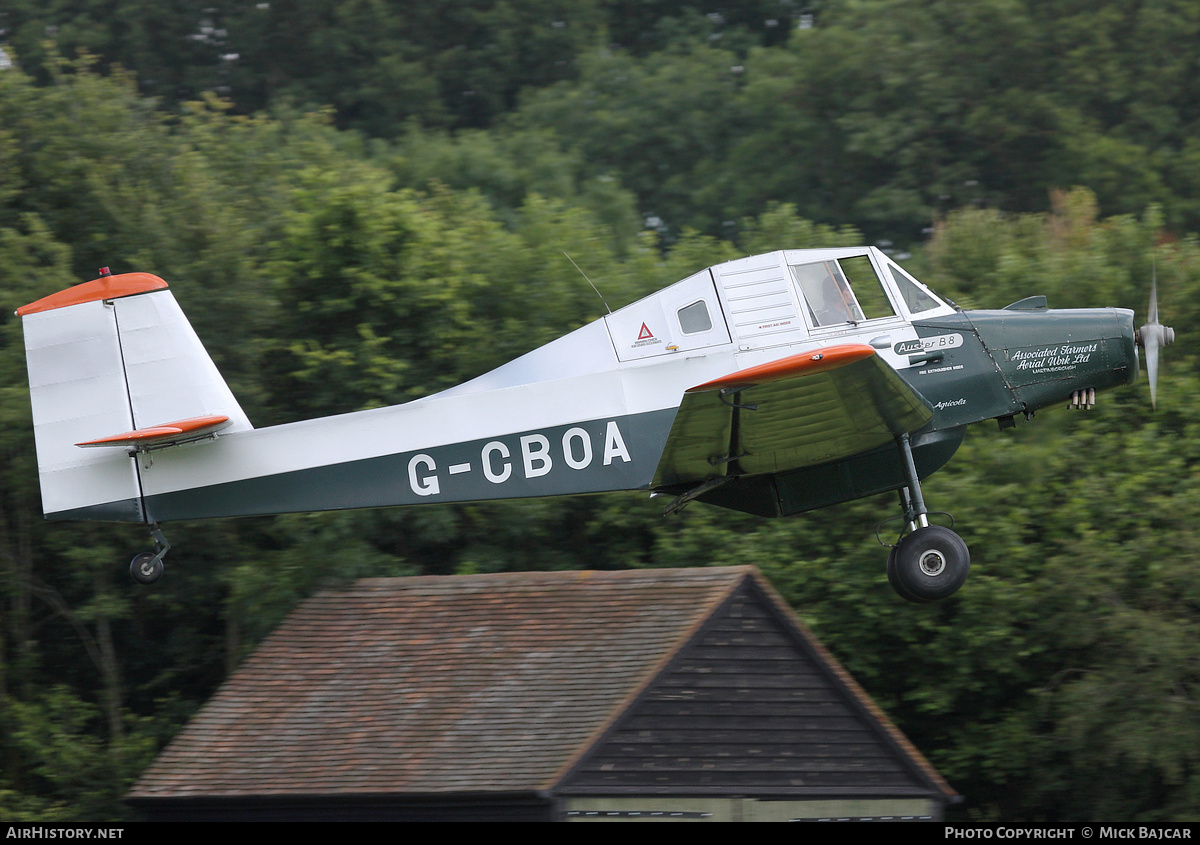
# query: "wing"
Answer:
x=799 y=411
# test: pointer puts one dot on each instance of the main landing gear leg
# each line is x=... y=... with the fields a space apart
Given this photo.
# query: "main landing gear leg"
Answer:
x=930 y=562
x=147 y=567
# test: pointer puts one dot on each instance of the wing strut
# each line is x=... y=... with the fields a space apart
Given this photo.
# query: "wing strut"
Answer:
x=681 y=501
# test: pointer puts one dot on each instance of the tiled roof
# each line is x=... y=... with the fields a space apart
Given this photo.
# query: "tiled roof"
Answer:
x=436 y=685
x=531 y=683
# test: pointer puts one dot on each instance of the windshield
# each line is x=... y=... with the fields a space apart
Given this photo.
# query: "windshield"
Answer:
x=917 y=297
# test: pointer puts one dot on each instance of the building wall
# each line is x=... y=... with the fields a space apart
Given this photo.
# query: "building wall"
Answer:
x=721 y=809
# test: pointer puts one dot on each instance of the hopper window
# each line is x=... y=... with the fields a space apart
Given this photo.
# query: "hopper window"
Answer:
x=694 y=318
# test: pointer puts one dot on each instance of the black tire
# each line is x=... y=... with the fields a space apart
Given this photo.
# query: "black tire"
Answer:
x=895 y=582
x=930 y=564
x=145 y=569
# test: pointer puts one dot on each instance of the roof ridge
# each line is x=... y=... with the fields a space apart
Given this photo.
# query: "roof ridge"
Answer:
x=455 y=581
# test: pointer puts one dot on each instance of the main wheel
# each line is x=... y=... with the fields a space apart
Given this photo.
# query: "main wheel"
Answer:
x=145 y=569
x=895 y=582
x=929 y=564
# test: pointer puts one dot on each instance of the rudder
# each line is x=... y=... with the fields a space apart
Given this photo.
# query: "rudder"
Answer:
x=110 y=356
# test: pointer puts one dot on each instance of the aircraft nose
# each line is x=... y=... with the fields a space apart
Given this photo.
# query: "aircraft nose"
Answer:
x=1154 y=335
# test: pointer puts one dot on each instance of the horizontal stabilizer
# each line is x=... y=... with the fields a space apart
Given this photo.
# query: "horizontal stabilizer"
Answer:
x=167 y=434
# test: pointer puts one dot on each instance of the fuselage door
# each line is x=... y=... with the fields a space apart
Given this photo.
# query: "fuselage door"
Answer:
x=684 y=317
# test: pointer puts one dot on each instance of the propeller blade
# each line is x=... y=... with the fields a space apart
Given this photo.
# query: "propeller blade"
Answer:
x=1151 y=346
x=1152 y=337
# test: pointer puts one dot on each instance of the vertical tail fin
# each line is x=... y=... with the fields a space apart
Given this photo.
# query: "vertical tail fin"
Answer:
x=109 y=356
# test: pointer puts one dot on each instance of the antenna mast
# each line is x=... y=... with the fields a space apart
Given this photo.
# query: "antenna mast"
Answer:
x=589 y=281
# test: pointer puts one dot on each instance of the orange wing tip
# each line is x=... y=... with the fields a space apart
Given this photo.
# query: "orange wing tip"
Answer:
x=165 y=433
x=793 y=366
x=106 y=287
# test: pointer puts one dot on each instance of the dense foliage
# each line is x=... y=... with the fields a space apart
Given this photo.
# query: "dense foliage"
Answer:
x=880 y=113
x=390 y=245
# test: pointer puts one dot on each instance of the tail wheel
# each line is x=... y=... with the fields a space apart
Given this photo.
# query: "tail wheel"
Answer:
x=929 y=564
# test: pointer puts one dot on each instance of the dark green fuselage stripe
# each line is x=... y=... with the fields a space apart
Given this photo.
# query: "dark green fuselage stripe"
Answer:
x=122 y=510
x=620 y=453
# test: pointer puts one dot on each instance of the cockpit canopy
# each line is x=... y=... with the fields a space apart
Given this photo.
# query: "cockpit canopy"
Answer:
x=851 y=289
x=780 y=297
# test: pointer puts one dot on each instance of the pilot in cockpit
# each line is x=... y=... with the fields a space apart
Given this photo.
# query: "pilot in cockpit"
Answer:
x=829 y=299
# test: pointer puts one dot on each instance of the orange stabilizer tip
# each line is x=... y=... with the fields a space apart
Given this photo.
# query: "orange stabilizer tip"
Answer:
x=105 y=287
x=195 y=425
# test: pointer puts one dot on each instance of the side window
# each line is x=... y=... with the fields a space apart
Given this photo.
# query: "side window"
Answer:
x=826 y=293
x=845 y=291
x=694 y=318
x=871 y=297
